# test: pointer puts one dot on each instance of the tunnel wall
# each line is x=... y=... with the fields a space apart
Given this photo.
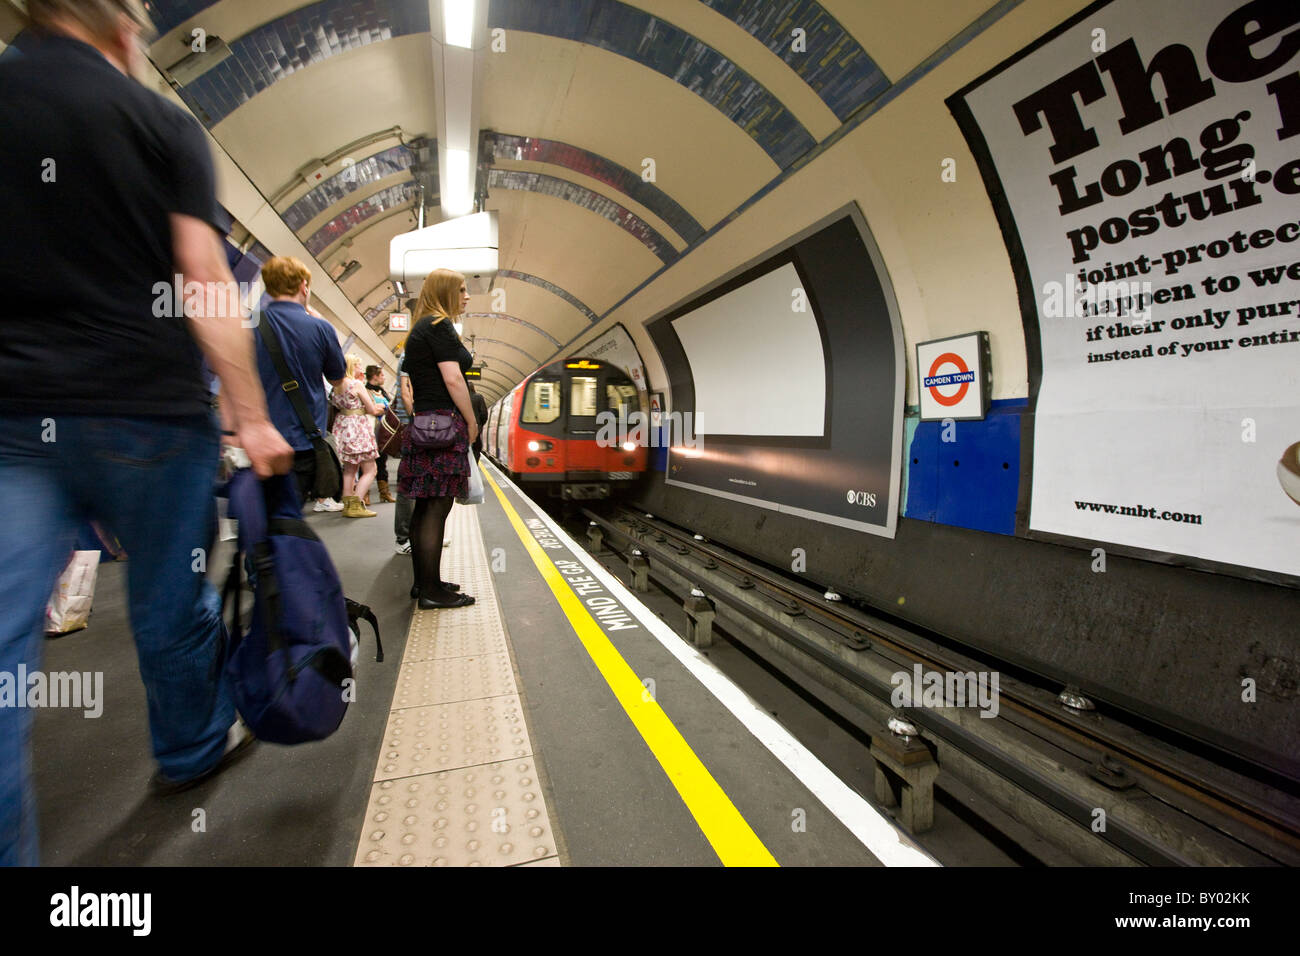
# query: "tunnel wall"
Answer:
x=1170 y=643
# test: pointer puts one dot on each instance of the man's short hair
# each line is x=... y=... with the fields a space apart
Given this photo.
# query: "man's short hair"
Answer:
x=284 y=275
x=372 y=371
x=97 y=16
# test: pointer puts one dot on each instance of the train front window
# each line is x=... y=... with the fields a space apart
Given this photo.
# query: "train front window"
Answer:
x=620 y=398
x=582 y=396
x=541 y=402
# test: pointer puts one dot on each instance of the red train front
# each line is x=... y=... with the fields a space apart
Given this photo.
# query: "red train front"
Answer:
x=575 y=428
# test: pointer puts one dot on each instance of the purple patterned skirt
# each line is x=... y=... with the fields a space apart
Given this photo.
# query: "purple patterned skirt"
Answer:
x=440 y=473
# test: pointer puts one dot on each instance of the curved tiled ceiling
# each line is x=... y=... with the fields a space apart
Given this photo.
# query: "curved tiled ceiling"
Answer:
x=295 y=41
x=386 y=200
x=388 y=162
x=670 y=51
x=713 y=91
x=521 y=148
x=549 y=287
x=585 y=198
x=830 y=61
x=518 y=321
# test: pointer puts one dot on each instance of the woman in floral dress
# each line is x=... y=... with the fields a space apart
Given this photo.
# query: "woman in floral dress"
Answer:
x=354 y=436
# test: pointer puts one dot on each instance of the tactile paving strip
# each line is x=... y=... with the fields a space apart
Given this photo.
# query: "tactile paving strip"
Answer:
x=456 y=783
x=450 y=736
x=453 y=678
x=465 y=641
x=491 y=815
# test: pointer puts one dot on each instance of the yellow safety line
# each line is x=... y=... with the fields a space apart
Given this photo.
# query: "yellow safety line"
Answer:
x=726 y=830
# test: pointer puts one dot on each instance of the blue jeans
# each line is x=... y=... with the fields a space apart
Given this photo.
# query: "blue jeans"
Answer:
x=150 y=482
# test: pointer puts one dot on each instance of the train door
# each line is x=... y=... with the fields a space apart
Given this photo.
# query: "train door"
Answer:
x=584 y=393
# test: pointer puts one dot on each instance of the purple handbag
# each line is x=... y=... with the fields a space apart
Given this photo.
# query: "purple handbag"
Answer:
x=433 y=430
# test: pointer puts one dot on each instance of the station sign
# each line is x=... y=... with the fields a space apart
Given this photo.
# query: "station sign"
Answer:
x=955 y=377
x=399 y=322
x=475 y=373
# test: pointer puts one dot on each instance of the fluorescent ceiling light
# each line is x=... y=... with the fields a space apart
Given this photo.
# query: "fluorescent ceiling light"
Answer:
x=457 y=198
x=458 y=22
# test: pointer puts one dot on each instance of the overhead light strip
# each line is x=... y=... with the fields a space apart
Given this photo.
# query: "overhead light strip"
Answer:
x=458 y=22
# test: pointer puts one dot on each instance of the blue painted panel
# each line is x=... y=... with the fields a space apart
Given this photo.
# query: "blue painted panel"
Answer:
x=658 y=460
x=971 y=482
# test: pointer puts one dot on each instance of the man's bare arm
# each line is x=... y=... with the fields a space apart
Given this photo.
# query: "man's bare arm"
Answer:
x=216 y=322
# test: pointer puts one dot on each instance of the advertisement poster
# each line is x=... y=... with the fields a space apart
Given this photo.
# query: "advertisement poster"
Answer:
x=787 y=381
x=617 y=348
x=1144 y=162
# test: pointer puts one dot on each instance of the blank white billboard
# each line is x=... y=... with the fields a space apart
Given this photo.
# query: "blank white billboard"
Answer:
x=756 y=360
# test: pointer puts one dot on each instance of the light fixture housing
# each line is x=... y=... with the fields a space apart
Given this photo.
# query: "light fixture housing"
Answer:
x=194 y=64
x=467 y=244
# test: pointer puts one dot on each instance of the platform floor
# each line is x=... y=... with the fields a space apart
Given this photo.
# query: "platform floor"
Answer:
x=555 y=722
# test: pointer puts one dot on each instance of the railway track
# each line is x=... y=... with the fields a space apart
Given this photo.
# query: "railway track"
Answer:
x=1098 y=786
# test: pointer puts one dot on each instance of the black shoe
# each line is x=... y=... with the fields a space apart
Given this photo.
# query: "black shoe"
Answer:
x=445 y=585
x=236 y=748
x=460 y=600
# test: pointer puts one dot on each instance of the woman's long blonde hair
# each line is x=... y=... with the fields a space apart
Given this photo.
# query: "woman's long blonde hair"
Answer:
x=440 y=295
x=353 y=361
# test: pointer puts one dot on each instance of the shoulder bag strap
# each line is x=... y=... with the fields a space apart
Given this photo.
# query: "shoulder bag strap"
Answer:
x=287 y=382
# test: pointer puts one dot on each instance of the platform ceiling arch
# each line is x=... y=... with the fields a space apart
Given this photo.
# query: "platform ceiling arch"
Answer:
x=614 y=137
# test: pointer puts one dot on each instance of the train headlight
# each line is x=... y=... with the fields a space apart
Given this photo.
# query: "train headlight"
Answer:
x=540 y=446
x=629 y=446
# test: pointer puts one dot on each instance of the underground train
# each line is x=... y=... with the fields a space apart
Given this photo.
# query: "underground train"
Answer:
x=564 y=430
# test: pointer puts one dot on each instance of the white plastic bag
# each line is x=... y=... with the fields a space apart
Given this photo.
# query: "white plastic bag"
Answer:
x=475 y=494
x=69 y=607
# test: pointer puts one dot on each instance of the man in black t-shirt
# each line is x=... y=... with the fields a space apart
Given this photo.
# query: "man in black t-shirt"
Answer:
x=109 y=200
x=480 y=415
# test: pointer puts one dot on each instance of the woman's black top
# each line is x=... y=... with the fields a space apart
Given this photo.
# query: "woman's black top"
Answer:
x=426 y=346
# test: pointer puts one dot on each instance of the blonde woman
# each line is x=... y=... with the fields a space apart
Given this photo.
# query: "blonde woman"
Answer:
x=433 y=380
x=354 y=435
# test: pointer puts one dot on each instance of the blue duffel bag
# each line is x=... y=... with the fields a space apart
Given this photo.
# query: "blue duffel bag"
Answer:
x=291 y=669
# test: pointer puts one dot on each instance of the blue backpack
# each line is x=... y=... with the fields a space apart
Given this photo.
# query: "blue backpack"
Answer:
x=289 y=670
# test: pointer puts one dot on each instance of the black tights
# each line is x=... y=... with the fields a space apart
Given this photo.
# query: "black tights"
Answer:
x=428 y=524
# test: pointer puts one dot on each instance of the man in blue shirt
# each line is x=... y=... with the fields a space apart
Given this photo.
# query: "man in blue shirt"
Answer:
x=311 y=351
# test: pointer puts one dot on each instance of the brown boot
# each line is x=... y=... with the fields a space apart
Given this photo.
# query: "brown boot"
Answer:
x=384 y=494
